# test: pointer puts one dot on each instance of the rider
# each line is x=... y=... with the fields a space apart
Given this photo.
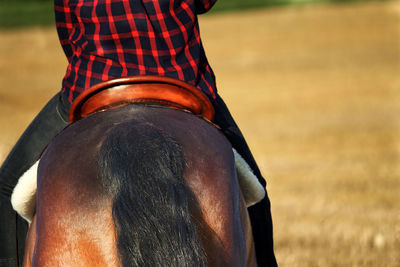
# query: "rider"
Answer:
x=116 y=38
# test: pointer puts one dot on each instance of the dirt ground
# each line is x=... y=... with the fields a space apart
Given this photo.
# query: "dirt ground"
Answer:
x=316 y=91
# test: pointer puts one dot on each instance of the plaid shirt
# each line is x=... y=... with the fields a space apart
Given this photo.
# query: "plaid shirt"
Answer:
x=105 y=39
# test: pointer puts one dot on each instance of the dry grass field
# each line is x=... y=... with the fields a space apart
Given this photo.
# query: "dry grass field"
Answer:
x=316 y=91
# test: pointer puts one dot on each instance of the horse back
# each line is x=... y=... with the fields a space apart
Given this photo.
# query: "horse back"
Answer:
x=74 y=222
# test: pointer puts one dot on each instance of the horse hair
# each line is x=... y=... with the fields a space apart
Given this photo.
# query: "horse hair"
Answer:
x=142 y=169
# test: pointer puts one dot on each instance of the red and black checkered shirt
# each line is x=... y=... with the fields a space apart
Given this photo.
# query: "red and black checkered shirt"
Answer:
x=105 y=39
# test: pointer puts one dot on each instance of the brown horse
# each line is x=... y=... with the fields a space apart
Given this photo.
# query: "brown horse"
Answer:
x=139 y=186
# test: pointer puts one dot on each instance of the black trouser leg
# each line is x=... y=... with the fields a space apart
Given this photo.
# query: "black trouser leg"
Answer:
x=260 y=213
x=47 y=124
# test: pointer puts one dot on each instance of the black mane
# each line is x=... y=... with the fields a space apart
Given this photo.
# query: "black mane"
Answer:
x=142 y=168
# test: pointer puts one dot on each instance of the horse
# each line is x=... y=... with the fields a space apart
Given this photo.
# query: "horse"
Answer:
x=139 y=185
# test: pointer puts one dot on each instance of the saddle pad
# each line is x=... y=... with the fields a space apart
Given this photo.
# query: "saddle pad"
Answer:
x=23 y=198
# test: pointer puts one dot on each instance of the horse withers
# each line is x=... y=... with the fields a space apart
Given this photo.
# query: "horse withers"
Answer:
x=139 y=185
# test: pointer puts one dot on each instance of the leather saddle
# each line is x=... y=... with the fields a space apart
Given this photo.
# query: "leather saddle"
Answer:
x=150 y=89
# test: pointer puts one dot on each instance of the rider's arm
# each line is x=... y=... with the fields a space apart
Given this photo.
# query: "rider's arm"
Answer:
x=65 y=26
x=202 y=6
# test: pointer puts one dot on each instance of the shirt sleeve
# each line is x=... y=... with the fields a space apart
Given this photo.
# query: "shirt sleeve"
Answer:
x=65 y=26
x=202 y=6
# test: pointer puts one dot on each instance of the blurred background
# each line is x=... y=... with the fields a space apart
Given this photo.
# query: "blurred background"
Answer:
x=315 y=87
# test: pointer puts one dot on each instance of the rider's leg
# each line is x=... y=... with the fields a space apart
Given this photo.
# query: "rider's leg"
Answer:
x=48 y=123
x=260 y=213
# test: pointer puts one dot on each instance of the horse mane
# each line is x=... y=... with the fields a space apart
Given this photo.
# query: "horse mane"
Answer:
x=141 y=168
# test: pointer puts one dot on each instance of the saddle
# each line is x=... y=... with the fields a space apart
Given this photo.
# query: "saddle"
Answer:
x=149 y=89
x=120 y=92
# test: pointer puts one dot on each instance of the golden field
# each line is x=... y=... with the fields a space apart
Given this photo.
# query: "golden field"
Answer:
x=316 y=91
